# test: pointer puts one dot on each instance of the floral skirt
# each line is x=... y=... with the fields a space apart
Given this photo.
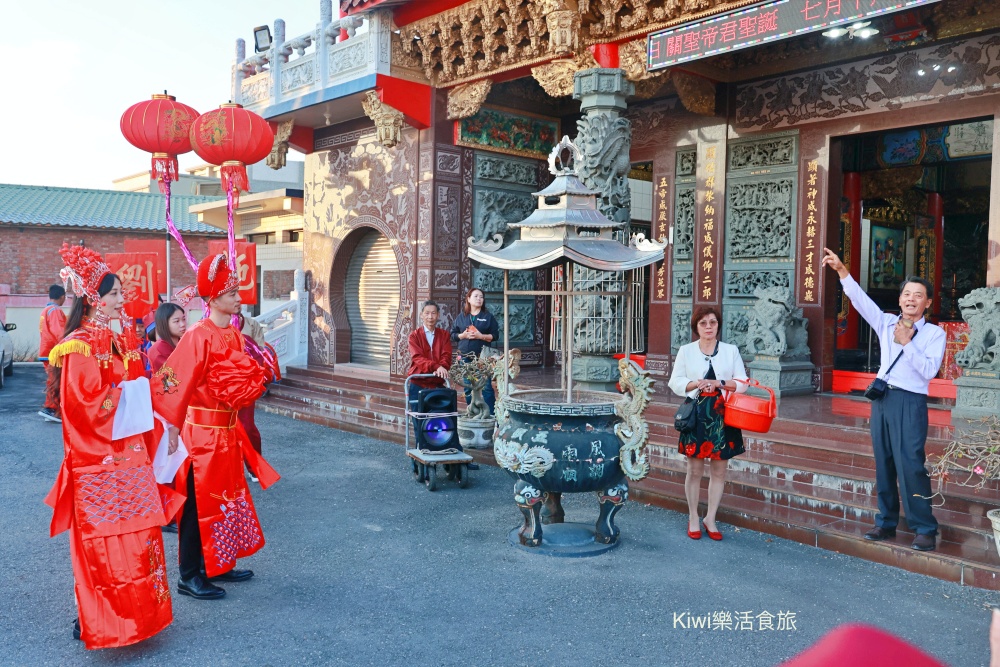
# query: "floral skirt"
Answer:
x=711 y=438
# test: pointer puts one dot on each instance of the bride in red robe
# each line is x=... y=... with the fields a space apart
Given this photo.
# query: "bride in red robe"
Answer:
x=198 y=391
x=106 y=494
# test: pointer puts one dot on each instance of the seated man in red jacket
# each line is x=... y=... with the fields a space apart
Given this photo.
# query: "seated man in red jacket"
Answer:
x=430 y=352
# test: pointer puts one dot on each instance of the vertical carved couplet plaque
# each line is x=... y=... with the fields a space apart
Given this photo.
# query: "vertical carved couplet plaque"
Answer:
x=812 y=175
x=661 y=233
x=711 y=190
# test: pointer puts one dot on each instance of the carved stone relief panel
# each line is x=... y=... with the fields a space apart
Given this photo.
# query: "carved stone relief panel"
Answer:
x=468 y=159
x=448 y=207
x=686 y=163
x=425 y=221
x=506 y=170
x=522 y=321
x=776 y=152
x=741 y=284
x=683 y=284
x=735 y=321
x=680 y=326
x=445 y=279
x=649 y=120
x=684 y=216
x=356 y=184
x=759 y=218
x=448 y=164
x=423 y=279
x=961 y=69
x=491 y=280
x=494 y=209
x=761 y=184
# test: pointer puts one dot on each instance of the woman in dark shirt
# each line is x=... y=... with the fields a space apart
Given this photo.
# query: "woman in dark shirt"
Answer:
x=473 y=330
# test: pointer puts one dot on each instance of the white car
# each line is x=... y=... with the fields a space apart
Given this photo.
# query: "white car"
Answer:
x=6 y=352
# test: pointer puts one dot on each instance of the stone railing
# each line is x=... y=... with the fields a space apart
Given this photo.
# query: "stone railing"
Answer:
x=286 y=327
x=337 y=51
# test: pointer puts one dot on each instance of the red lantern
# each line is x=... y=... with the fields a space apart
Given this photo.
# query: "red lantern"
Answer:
x=232 y=137
x=160 y=126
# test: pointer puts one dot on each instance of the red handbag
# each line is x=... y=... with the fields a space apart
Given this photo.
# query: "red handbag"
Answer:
x=750 y=413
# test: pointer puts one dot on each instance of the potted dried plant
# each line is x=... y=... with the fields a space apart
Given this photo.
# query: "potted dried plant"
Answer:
x=972 y=459
x=476 y=424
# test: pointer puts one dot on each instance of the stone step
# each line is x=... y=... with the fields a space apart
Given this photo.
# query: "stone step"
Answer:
x=957 y=523
x=960 y=563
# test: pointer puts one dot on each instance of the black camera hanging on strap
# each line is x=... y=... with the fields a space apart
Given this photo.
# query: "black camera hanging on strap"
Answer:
x=876 y=390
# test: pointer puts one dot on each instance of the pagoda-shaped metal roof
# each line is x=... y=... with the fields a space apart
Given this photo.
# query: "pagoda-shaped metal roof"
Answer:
x=567 y=225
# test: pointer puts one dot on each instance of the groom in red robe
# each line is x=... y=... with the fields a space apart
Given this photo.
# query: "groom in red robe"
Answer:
x=198 y=391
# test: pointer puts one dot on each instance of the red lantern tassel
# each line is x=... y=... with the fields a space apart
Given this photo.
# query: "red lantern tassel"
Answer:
x=164 y=170
x=234 y=178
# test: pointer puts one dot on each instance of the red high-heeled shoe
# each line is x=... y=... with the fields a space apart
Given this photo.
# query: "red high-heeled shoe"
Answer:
x=715 y=536
x=695 y=534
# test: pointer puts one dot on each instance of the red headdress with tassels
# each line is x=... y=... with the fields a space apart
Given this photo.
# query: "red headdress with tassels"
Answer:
x=215 y=278
x=84 y=270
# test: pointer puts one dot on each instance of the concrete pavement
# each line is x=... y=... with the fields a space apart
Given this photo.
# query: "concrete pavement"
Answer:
x=363 y=566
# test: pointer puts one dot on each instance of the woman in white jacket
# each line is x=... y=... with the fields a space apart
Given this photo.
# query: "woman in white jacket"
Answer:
x=705 y=370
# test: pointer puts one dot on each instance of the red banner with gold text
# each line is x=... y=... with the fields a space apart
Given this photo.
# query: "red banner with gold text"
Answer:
x=137 y=271
x=246 y=265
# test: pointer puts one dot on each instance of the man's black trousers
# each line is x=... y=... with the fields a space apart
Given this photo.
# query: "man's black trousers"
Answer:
x=899 y=431
x=189 y=536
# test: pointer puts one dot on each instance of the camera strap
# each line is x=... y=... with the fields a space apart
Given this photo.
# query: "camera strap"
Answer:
x=893 y=364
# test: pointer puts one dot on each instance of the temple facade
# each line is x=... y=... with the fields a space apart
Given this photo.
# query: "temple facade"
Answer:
x=748 y=148
x=747 y=136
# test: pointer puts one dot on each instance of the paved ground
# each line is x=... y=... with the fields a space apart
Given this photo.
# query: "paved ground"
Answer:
x=365 y=567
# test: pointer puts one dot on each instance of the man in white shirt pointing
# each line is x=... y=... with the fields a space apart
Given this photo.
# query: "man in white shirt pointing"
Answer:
x=912 y=350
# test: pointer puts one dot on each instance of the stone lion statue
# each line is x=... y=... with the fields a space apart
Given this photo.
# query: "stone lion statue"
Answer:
x=981 y=310
x=775 y=327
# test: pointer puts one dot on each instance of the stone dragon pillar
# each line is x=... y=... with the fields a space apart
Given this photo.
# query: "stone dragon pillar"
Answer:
x=605 y=139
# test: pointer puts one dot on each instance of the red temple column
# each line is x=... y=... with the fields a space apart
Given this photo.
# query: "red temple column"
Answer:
x=847 y=331
x=606 y=55
x=935 y=209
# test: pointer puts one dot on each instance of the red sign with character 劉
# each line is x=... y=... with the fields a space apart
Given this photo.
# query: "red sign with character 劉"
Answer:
x=246 y=267
x=137 y=272
x=157 y=247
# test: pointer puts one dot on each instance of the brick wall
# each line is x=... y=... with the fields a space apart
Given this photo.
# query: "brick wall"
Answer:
x=278 y=284
x=30 y=260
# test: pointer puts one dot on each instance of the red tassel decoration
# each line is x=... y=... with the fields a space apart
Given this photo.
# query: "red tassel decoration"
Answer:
x=235 y=179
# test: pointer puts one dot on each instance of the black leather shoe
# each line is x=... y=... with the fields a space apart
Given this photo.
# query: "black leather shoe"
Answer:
x=234 y=575
x=878 y=533
x=200 y=588
x=76 y=630
x=924 y=543
x=473 y=466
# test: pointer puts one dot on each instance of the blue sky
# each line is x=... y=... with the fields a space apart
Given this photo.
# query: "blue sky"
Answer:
x=73 y=67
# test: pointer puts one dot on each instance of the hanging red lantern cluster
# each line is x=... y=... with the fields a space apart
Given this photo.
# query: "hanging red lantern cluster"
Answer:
x=161 y=126
x=232 y=137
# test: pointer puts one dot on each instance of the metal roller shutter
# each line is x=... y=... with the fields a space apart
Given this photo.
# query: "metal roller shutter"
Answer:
x=372 y=296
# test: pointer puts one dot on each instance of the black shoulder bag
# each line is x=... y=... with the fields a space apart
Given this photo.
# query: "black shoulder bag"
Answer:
x=876 y=390
x=685 y=419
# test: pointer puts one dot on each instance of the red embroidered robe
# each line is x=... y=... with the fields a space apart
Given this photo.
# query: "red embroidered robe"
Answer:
x=108 y=499
x=203 y=383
